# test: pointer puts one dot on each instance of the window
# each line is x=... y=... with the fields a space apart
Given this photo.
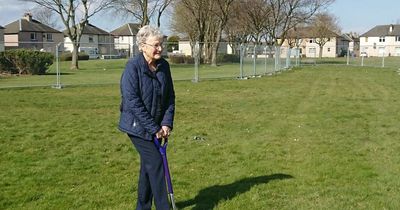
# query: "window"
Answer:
x=397 y=38
x=366 y=39
x=311 y=40
x=49 y=37
x=381 y=39
x=90 y=38
x=329 y=49
x=33 y=36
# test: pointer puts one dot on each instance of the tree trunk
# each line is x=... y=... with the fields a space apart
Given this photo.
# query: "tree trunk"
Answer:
x=320 y=51
x=215 y=46
x=74 y=62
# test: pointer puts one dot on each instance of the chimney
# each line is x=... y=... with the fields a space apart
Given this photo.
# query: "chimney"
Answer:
x=391 y=28
x=28 y=16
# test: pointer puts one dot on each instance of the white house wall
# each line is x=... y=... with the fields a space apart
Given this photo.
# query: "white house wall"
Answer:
x=331 y=48
x=374 y=48
x=185 y=48
x=84 y=42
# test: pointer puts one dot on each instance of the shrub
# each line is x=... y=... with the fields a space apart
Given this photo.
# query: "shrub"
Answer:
x=180 y=59
x=188 y=59
x=26 y=61
x=228 y=58
x=67 y=56
x=176 y=58
x=6 y=64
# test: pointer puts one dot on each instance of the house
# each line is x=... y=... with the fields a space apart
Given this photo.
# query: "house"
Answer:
x=94 y=41
x=306 y=41
x=382 y=40
x=125 y=39
x=354 y=44
x=1 y=39
x=185 y=47
x=32 y=34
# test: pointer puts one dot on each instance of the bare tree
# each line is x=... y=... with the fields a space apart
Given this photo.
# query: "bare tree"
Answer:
x=208 y=18
x=287 y=14
x=183 y=25
x=323 y=27
x=161 y=6
x=237 y=29
x=200 y=12
x=142 y=10
x=256 y=12
x=138 y=9
x=46 y=16
x=75 y=15
x=222 y=11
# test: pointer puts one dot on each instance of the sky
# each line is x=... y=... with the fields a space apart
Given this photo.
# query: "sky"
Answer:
x=353 y=15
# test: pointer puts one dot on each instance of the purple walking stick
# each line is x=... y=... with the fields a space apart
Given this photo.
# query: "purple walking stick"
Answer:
x=162 y=148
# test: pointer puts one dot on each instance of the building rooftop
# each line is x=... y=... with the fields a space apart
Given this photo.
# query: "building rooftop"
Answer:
x=383 y=30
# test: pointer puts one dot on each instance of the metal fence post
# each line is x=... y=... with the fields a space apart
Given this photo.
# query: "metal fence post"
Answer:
x=241 y=53
x=288 y=57
x=58 y=74
x=265 y=62
x=196 y=62
x=277 y=58
x=362 y=60
x=254 y=60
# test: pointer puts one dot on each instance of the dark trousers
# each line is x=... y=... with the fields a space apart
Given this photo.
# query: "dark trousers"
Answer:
x=151 y=178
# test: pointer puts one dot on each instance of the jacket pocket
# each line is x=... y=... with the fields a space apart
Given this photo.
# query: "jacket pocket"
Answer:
x=137 y=128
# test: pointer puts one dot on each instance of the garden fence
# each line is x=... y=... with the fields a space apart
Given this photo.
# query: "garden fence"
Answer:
x=189 y=61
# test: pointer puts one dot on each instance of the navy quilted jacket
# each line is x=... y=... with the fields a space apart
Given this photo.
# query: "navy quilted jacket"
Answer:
x=140 y=104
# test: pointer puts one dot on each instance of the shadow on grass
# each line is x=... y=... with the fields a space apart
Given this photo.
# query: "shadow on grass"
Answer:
x=54 y=73
x=209 y=197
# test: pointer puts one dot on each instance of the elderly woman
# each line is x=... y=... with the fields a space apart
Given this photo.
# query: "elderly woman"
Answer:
x=147 y=110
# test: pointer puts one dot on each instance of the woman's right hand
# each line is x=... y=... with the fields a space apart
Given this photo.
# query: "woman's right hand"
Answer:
x=160 y=134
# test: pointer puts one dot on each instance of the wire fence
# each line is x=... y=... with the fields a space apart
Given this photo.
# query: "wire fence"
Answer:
x=189 y=61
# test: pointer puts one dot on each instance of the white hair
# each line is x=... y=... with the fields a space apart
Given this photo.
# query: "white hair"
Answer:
x=145 y=32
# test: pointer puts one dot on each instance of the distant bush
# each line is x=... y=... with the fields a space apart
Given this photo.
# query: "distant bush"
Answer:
x=188 y=59
x=5 y=64
x=228 y=58
x=180 y=59
x=67 y=56
x=25 y=61
x=176 y=58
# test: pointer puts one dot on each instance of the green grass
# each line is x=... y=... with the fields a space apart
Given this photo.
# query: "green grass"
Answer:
x=323 y=137
x=100 y=72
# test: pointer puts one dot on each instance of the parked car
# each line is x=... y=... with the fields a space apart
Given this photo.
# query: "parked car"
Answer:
x=363 y=54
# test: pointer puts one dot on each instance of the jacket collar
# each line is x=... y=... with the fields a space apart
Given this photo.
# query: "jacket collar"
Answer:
x=146 y=70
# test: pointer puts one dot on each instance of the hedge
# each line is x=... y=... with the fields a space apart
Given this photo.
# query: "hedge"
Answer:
x=179 y=59
x=228 y=58
x=25 y=61
x=67 y=56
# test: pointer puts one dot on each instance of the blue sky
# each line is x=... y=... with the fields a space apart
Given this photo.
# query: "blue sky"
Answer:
x=353 y=15
x=362 y=15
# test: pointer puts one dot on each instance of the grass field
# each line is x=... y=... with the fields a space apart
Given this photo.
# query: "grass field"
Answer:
x=100 y=72
x=320 y=137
